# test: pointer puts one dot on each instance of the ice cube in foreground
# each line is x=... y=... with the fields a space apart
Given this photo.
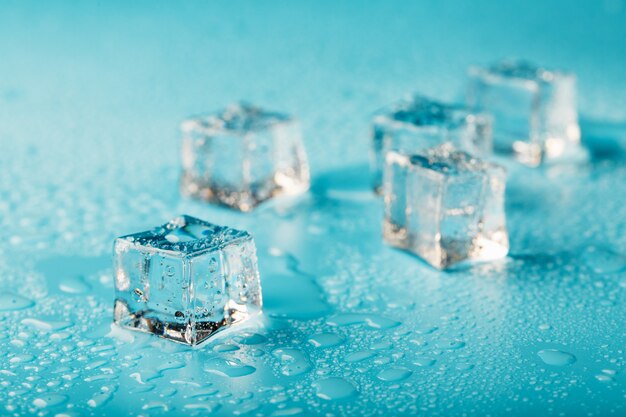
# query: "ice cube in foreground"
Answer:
x=185 y=280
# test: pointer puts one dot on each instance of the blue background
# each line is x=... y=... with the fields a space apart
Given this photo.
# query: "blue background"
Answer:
x=91 y=96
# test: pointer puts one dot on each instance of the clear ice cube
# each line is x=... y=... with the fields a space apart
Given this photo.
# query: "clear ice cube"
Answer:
x=185 y=280
x=445 y=205
x=419 y=123
x=534 y=110
x=242 y=156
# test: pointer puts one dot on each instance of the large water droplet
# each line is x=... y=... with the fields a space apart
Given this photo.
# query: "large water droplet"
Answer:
x=359 y=356
x=334 y=388
x=373 y=321
x=46 y=325
x=394 y=374
x=424 y=361
x=102 y=397
x=556 y=357
x=232 y=368
x=294 y=361
x=74 y=285
x=324 y=340
x=250 y=339
x=13 y=302
x=50 y=400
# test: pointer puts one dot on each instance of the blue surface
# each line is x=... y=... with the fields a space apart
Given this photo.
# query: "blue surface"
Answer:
x=91 y=95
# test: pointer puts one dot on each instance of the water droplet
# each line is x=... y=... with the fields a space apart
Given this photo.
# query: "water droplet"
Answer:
x=294 y=411
x=155 y=405
x=427 y=329
x=14 y=302
x=250 y=339
x=46 y=325
x=607 y=375
x=50 y=400
x=382 y=360
x=74 y=285
x=384 y=345
x=325 y=340
x=23 y=358
x=169 y=365
x=359 y=356
x=556 y=357
x=424 y=361
x=232 y=368
x=102 y=397
x=450 y=344
x=294 y=361
x=394 y=374
x=372 y=321
x=201 y=406
x=604 y=378
x=225 y=347
x=334 y=388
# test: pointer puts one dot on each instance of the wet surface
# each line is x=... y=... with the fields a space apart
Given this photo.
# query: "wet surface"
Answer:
x=351 y=326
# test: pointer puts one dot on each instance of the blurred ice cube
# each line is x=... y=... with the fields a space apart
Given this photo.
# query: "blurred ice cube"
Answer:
x=242 y=156
x=418 y=123
x=534 y=110
x=445 y=206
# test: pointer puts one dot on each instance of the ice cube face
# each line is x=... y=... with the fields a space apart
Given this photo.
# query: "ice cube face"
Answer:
x=418 y=123
x=534 y=110
x=242 y=156
x=185 y=280
x=445 y=205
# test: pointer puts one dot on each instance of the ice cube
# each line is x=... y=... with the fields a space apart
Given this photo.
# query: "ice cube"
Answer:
x=445 y=206
x=534 y=110
x=242 y=156
x=185 y=280
x=417 y=123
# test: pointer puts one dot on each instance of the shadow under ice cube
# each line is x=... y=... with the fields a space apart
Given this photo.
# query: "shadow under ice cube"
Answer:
x=534 y=110
x=242 y=156
x=185 y=280
x=445 y=206
x=418 y=123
